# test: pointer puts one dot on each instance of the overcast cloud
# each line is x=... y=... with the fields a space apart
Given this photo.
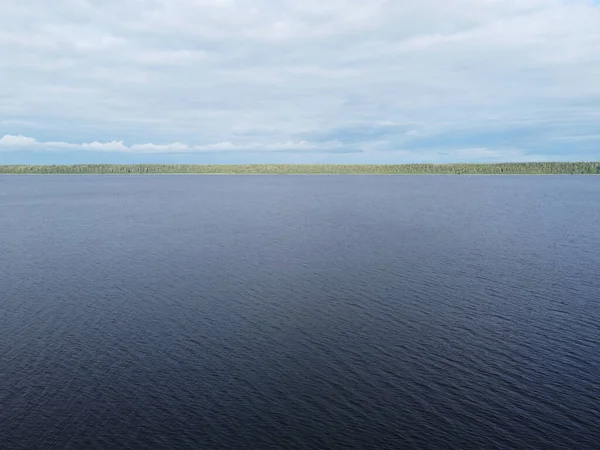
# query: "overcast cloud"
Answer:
x=299 y=80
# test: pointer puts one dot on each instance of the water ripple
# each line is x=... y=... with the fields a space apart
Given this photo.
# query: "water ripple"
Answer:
x=299 y=312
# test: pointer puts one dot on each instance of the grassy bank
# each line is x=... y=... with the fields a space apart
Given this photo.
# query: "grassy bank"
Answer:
x=502 y=168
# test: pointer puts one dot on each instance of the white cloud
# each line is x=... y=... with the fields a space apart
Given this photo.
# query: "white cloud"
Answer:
x=16 y=141
x=300 y=75
x=380 y=152
x=12 y=143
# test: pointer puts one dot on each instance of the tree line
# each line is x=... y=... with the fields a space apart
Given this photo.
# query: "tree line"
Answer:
x=499 y=168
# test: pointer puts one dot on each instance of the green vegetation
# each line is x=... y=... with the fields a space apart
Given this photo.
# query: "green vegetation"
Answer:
x=501 y=168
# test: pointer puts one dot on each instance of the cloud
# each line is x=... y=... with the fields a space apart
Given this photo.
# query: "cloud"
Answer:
x=16 y=141
x=381 y=152
x=303 y=75
x=12 y=143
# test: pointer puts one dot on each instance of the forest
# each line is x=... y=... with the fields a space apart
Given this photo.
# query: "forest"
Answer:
x=458 y=169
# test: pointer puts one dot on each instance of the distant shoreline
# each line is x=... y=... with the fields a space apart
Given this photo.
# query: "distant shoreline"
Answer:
x=534 y=168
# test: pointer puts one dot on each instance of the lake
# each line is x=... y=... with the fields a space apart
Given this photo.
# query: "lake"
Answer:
x=299 y=312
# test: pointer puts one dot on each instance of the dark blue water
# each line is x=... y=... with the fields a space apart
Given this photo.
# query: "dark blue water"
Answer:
x=305 y=312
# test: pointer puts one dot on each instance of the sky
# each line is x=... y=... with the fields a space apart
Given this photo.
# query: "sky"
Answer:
x=299 y=81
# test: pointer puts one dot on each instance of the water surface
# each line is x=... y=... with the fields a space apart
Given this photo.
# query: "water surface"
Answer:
x=303 y=312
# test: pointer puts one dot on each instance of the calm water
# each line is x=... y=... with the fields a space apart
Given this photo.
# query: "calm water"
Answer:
x=299 y=312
